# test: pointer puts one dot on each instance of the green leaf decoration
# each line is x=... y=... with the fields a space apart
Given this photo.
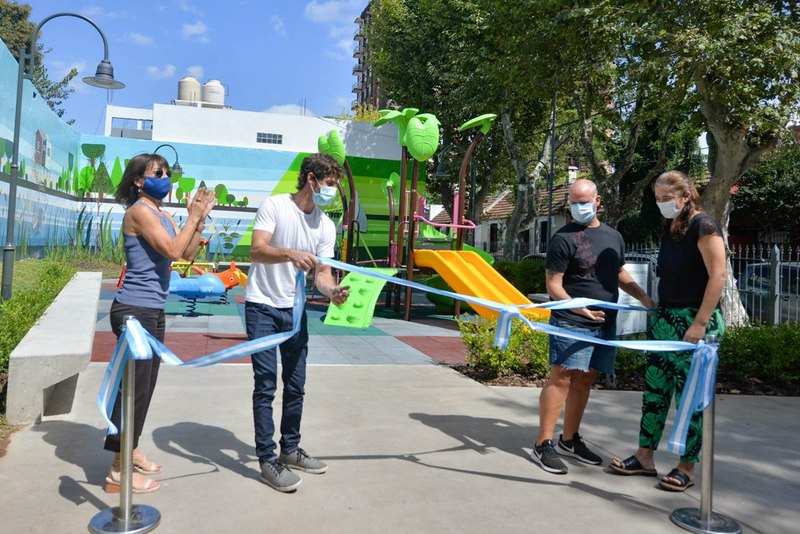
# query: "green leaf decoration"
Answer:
x=399 y=118
x=386 y=116
x=332 y=145
x=484 y=122
x=422 y=137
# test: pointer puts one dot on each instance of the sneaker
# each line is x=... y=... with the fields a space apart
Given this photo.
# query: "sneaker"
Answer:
x=546 y=457
x=299 y=459
x=279 y=477
x=577 y=449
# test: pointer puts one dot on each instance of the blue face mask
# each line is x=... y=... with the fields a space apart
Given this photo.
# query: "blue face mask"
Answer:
x=325 y=195
x=583 y=212
x=157 y=188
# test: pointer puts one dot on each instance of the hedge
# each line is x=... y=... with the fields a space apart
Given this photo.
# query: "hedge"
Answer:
x=527 y=275
x=751 y=358
x=18 y=314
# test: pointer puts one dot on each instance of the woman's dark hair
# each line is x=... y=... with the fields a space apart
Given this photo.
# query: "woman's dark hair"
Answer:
x=682 y=187
x=322 y=165
x=127 y=193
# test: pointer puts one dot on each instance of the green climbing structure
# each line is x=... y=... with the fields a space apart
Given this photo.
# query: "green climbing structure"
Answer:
x=359 y=308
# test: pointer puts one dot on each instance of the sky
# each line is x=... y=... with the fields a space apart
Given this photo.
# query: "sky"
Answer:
x=272 y=55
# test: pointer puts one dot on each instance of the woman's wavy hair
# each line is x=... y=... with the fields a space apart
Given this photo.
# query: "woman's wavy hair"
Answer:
x=682 y=187
x=127 y=193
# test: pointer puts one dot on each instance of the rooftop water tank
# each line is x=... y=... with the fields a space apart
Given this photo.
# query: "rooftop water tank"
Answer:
x=189 y=89
x=214 y=93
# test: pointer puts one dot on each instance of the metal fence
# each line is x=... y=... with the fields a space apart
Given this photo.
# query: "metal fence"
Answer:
x=767 y=276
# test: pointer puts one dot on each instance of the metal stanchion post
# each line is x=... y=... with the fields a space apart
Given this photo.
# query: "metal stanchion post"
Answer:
x=704 y=520
x=127 y=518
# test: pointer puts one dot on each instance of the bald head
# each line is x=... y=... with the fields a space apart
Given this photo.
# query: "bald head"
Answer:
x=582 y=191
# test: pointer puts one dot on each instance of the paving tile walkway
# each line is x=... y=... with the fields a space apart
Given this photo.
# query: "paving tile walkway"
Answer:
x=217 y=325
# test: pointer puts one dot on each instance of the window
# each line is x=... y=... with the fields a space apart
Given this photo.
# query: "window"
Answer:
x=269 y=138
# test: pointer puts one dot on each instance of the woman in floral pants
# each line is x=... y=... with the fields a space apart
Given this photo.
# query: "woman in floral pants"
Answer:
x=692 y=270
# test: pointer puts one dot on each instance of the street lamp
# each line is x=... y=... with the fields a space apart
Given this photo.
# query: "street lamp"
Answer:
x=103 y=78
x=176 y=167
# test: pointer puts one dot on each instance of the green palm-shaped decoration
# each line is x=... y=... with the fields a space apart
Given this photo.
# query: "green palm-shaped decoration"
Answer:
x=399 y=118
x=392 y=182
x=422 y=136
x=484 y=122
x=332 y=145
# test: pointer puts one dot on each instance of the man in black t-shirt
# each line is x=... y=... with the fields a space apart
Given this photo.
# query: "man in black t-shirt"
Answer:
x=584 y=259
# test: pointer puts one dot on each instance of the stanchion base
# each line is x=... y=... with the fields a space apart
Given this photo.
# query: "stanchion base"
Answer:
x=689 y=519
x=143 y=519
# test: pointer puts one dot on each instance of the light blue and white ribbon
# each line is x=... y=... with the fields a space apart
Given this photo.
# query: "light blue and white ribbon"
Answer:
x=137 y=344
x=698 y=393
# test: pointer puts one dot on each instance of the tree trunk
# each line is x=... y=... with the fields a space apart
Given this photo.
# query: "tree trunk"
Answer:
x=733 y=155
x=521 y=194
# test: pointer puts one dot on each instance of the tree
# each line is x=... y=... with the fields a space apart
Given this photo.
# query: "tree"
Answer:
x=85 y=181
x=116 y=173
x=740 y=60
x=93 y=152
x=445 y=58
x=102 y=183
x=15 y=31
x=185 y=187
x=767 y=194
x=221 y=193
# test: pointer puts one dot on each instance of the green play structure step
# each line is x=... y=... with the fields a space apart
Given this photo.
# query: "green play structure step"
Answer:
x=359 y=308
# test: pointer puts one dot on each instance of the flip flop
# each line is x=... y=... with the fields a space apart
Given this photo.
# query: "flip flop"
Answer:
x=630 y=466
x=684 y=481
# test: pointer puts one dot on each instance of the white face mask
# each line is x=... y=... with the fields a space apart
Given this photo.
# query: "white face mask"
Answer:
x=668 y=209
x=583 y=212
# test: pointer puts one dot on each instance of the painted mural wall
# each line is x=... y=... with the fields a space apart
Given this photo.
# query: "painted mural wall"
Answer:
x=85 y=170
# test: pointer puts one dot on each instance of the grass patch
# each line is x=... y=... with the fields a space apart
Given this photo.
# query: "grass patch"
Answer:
x=36 y=285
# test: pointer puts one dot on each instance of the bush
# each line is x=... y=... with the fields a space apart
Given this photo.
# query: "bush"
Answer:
x=527 y=351
x=765 y=353
x=18 y=314
x=527 y=275
x=748 y=356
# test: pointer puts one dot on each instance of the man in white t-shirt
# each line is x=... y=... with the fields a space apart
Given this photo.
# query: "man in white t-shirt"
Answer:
x=290 y=232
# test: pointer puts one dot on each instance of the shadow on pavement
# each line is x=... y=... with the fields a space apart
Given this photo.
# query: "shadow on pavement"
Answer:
x=205 y=444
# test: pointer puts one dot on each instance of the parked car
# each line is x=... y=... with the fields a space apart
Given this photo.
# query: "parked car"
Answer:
x=754 y=291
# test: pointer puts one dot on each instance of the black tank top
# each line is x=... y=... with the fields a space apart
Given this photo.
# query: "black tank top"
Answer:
x=682 y=274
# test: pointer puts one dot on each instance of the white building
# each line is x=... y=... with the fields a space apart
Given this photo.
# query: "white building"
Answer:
x=191 y=120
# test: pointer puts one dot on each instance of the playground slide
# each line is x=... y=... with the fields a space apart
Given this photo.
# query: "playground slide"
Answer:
x=467 y=273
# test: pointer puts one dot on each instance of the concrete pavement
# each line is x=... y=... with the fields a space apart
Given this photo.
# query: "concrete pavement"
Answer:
x=412 y=448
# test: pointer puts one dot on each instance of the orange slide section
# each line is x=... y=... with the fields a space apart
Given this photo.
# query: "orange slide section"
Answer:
x=469 y=274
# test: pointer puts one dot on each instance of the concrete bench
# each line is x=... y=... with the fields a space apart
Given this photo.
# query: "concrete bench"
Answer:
x=43 y=369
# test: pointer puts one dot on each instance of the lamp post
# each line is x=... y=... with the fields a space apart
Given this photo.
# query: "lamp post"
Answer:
x=103 y=78
x=176 y=167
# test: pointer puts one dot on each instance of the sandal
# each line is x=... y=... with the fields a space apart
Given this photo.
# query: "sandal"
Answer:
x=141 y=484
x=684 y=481
x=145 y=466
x=630 y=466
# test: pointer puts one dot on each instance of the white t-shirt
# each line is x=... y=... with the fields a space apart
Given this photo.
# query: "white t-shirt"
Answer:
x=274 y=284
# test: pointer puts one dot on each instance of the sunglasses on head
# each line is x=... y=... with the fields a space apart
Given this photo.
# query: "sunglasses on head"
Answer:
x=160 y=173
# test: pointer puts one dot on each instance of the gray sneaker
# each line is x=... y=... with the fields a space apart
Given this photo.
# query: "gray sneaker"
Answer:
x=299 y=459
x=279 y=477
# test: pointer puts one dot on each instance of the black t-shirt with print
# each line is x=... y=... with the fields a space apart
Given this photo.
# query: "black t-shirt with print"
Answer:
x=590 y=259
x=682 y=273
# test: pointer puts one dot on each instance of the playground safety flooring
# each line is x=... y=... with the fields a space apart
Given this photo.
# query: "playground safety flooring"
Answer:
x=214 y=326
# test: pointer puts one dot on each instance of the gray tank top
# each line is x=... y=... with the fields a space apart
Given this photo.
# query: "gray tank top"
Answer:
x=147 y=272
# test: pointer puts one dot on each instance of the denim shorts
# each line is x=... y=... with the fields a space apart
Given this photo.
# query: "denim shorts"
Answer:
x=580 y=355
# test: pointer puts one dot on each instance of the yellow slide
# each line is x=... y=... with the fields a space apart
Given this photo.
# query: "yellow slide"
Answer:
x=469 y=274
